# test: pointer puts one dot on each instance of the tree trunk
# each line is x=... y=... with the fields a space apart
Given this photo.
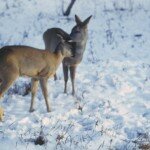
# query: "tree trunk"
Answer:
x=68 y=10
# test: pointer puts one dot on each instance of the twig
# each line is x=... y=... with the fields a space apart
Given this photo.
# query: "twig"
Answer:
x=68 y=10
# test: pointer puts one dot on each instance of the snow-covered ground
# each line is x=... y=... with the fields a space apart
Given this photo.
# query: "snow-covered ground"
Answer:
x=111 y=109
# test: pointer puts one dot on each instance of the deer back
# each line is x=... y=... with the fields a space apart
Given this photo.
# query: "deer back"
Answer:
x=51 y=38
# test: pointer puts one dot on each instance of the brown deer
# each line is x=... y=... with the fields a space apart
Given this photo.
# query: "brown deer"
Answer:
x=39 y=64
x=1 y=113
x=79 y=35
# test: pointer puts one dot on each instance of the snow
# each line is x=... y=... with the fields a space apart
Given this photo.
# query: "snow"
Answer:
x=111 y=109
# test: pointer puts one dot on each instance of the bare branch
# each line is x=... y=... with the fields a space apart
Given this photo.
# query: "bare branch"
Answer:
x=68 y=10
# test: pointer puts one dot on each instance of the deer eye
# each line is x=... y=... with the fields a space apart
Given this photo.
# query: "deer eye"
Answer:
x=77 y=30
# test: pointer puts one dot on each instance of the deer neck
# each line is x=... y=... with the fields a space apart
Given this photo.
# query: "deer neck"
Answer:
x=58 y=58
x=80 y=46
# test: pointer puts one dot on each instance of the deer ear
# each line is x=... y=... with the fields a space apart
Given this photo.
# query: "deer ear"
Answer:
x=86 y=21
x=77 y=19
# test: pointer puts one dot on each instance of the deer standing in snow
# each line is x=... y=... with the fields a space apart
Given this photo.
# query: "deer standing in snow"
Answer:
x=79 y=36
x=39 y=64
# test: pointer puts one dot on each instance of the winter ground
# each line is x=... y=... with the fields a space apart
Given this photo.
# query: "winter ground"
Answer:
x=111 y=109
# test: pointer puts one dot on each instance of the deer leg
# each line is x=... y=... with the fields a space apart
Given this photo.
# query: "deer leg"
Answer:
x=65 y=71
x=43 y=83
x=55 y=76
x=7 y=82
x=34 y=87
x=72 y=76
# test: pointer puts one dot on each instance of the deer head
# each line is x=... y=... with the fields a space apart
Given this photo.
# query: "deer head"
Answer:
x=65 y=47
x=79 y=31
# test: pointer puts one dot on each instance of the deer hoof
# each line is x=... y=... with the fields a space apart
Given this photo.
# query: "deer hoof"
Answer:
x=65 y=91
x=48 y=110
x=73 y=93
x=31 y=110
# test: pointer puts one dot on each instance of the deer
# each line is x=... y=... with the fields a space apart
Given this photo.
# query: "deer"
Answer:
x=38 y=64
x=1 y=113
x=78 y=38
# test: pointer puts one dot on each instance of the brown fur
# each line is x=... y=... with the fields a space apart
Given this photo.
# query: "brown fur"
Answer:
x=39 y=64
x=28 y=61
x=1 y=113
